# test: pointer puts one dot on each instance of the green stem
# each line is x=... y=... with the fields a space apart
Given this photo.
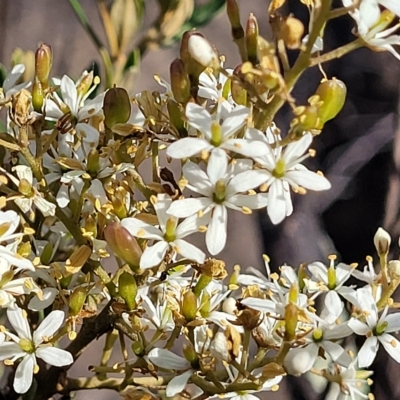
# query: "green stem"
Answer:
x=337 y=53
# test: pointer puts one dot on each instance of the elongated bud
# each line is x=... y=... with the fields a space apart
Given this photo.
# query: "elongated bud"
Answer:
x=45 y=257
x=252 y=39
x=190 y=354
x=127 y=289
x=123 y=244
x=116 y=107
x=232 y=10
x=382 y=242
x=37 y=96
x=203 y=52
x=239 y=94
x=43 y=64
x=201 y=284
x=394 y=268
x=93 y=163
x=332 y=93
x=137 y=348
x=77 y=300
x=118 y=207
x=291 y=318
x=180 y=82
x=189 y=306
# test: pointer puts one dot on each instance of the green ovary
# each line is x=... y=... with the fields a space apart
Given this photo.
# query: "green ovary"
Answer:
x=27 y=346
x=219 y=192
x=280 y=169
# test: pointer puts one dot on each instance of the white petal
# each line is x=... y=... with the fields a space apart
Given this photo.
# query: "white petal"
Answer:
x=9 y=350
x=245 y=181
x=198 y=179
x=153 y=255
x=277 y=209
x=167 y=359
x=178 y=383
x=393 y=322
x=47 y=208
x=189 y=251
x=254 y=202
x=49 y=295
x=188 y=147
x=216 y=232
x=263 y=305
x=141 y=229
x=19 y=322
x=187 y=207
x=294 y=150
x=13 y=76
x=54 y=356
x=248 y=148
x=235 y=121
x=358 y=327
x=161 y=207
x=69 y=94
x=217 y=165
x=199 y=118
x=391 y=345
x=337 y=353
x=309 y=180
x=368 y=351
x=49 y=326
x=24 y=374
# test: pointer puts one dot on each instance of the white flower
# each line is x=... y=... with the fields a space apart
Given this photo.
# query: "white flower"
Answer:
x=376 y=329
x=202 y=51
x=9 y=84
x=216 y=135
x=372 y=23
x=28 y=346
x=283 y=169
x=29 y=194
x=169 y=235
x=221 y=187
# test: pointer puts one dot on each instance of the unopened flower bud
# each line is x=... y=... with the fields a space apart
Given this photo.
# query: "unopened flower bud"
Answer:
x=382 y=242
x=219 y=347
x=118 y=207
x=232 y=10
x=252 y=39
x=203 y=52
x=205 y=304
x=127 y=289
x=298 y=361
x=43 y=64
x=46 y=255
x=394 y=268
x=201 y=284
x=37 y=96
x=180 y=82
x=116 y=107
x=137 y=348
x=332 y=93
x=189 y=306
x=239 y=94
x=292 y=31
x=176 y=117
x=123 y=244
x=93 y=162
x=190 y=354
x=77 y=300
x=229 y=306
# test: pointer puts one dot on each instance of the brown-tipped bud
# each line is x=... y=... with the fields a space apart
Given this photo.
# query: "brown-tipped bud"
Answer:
x=232 y=10
x=189 y=306
x=127 y=289
x=123 y=244
x=239 y=94
x=37 y=96
x=180 y=82
x=116 y=107
x=382 y=242
x=76 y=301
x=252 y=39
x=292 y=31
x=291 y=319
x=332 y=94
x=176 y=117
x=43 y=64
x=93 y=164
x=249 y=318
x=21 y=108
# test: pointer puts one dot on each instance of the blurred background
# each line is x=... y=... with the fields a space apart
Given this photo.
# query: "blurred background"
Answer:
x=359 y=151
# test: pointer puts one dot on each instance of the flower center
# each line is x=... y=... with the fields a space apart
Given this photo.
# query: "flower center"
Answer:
x=170 y=228
x=27 y=345
x=25 y=188
x=380 y=329
x=318 y=335
x=219 y=192
x=216 y=134
x=280 y=168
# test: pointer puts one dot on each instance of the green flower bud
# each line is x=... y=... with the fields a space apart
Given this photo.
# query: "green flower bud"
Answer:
x=6 y=277
x=201 y=284
x=116 y=107
x=127 y=289
x=77 y=300
x=232 y=10
x=45 y=257
x=176 y=117
x=123 y=244
x=180 y=82
x=93 y=164
x=239 y=94
x=205 y=304
x=189 y=306
x=118 y=207
x=252 y=39
x=137 y=348
x=37 y=96
x=332 y=93
x=43 y=64
x=190 y=354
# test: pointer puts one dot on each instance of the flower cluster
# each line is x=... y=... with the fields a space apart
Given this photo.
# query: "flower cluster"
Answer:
x=90 y=245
